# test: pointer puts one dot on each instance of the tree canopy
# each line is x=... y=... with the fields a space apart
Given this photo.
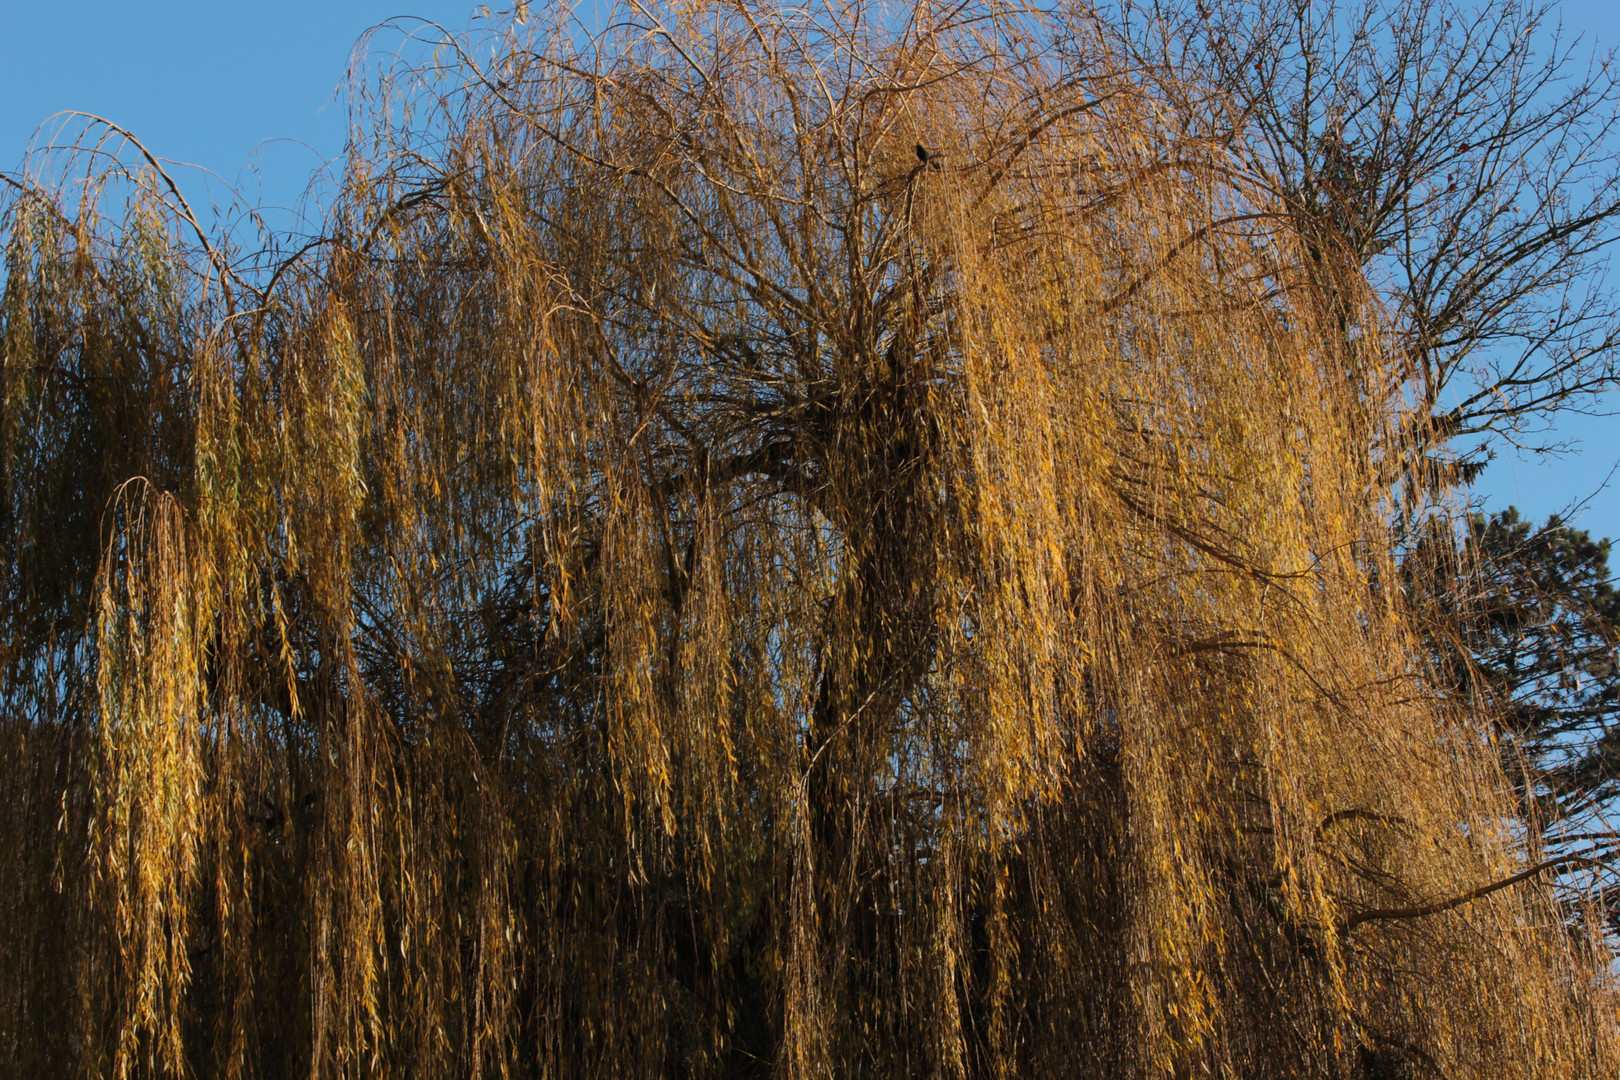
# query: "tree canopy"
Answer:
x=1464 y=156
x=756 y=541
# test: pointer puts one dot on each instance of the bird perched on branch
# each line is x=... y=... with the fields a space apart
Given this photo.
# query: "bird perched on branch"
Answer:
x=927 y=157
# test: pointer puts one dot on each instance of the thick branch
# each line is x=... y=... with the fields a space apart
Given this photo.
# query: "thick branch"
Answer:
x=1420 y=910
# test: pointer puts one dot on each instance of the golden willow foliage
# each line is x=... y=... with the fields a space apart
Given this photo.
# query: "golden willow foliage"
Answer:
x=679 y=582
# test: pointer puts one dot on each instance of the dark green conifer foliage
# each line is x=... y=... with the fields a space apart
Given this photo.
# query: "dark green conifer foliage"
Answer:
x=1531 y=624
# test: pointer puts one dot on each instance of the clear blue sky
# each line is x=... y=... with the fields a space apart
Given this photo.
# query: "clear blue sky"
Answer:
x=248 y=93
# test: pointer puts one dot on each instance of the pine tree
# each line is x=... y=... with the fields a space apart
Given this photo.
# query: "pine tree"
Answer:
x=1532 y=625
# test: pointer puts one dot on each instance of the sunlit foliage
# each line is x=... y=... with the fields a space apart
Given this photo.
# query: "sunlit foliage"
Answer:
x=757 y=542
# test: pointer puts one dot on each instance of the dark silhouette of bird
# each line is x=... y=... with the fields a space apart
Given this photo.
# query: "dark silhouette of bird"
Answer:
x=922 y=153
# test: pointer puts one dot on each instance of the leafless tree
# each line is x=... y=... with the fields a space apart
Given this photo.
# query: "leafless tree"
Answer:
x=1464 y=157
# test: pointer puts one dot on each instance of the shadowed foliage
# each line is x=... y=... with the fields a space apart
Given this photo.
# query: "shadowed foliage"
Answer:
x=761 y=542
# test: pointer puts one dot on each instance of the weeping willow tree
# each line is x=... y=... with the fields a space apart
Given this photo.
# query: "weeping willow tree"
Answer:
x=757 y=542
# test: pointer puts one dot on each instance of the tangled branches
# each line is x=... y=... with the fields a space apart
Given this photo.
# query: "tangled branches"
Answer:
x=677 y=581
